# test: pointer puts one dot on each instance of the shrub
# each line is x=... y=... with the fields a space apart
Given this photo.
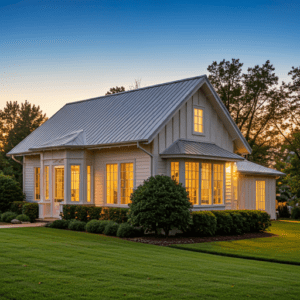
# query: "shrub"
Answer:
x=296 y=212
x=60 y=224
x=31 y=210
x=81 y=213
x=224 y=222
x=111 y=228
x=102 y=225
x=204 y=223
x=17 y=207
x=238 y=222
x=125 y=230
x=93 y=226
x=94 y=213
x=283 y=211
x=23 y=218
x=160 y=203
x=8 y=216
x=116 y=214
x=77 y=225
x=69 y=212
x=10 y=191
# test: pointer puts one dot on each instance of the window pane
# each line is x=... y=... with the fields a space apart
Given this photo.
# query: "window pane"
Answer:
x=46 y=176
x=198 y=120
x=112 y=184
x=260 y=195
x=175 y=171
x=59 y=184
x=75 y=183
x=88 y=183
x=206 y=184
x=192 y=181
x=218 y=184
x=126 y=182
x=37 y=195
x=228 y=179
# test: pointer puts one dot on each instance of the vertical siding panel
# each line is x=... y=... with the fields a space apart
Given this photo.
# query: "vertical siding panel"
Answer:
x=169 y=133
x=183 y=122
x=189 y=119
x=162 y=144
x=176 y=127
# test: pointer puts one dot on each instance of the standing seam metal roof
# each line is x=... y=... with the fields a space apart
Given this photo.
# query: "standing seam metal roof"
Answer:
x=249 y=167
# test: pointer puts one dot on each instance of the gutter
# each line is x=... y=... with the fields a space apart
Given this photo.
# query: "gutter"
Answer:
x=151 y=156
x=19 y=162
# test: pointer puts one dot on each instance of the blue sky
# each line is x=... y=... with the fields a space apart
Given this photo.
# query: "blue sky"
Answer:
x=54 y=52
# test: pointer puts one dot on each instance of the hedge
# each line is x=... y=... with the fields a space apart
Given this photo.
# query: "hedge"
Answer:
x=17 y=207
x=31 y=210
x=204 y=223
x=116 y=214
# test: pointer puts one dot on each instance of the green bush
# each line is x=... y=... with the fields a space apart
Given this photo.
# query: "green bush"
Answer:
x=8 y=216
x=204 y=223
x=102 y=225
x=17 y=207
x=69 y=212
x=160 y=203
x=60 y=224
x=81 y=213
x=93 y=226
x=125 y=230
x=23 y=218
x=94 y=213
x=10 y=191
x=116 y=214
x=296 y=212
x=283 y=211
x=238 y=222
x=31 y=210
x=111 y=228
x=77 y=225
x=224 y=222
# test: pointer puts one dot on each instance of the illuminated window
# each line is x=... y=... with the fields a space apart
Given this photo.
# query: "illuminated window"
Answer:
x=112 y=184
x=198 y=120
x=206 y=184
x=126 y=182
x=59 y=186
x=88 y=183
x=260 y=195
x=175 y=171
x=46 y=176
x=192 y=181
x=228 y=180
x=37 y=193
x=75 y=182
x=234 y=182
x=218 y=184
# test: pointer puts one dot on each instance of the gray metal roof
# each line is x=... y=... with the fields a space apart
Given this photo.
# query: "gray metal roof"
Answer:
x=188 y=148
x=248 y=167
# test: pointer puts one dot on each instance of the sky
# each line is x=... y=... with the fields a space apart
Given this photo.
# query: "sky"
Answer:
x=55 y=52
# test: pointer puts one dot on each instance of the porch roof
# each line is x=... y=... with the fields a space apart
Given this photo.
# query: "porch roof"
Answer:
x=202 y=150
x=248 y=167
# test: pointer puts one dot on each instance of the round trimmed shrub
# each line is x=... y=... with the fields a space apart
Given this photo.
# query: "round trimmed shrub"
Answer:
x=204 y=223
x=296 y=212
x=160 y=203
x=23 y=218
x=10 y=190
x=93 y=226
x=125 y=230
x=8 y=216
x=224 y=222
x=102 y=225
x=31 y=210
x=60 y=224
x=111 y=228
x=77 y=225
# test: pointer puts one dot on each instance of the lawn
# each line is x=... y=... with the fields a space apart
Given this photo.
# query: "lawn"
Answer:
x=44 y=263
x=285 y=247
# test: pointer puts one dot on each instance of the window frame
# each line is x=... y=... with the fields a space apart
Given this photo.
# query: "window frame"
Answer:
x=203 y=120
x=54 y=183
x=89 y=184
x=256 y=202
x=79 y=182
x=47 y=183
x=35 y=183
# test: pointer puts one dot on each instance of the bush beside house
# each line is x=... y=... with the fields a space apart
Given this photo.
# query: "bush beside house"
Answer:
x=31 y=210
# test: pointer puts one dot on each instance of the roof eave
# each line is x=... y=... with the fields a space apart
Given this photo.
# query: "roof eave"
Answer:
x=261 y=173
x=205 y=157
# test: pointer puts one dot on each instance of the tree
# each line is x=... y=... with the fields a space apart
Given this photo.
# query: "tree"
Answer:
x=115 y=90
x=136 y=84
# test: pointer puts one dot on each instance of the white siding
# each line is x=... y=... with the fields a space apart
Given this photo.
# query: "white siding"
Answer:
x=30 y=163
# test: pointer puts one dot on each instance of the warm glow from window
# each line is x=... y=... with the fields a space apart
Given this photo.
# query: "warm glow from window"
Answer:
x=37 y=193
x=75 y=183
x=234 y=182
x=218 y=184
x=228 y=179
x=59 y=184
x=260 y=195
x=198 y=120
x=46 y=174
x=88 y=183
x=206 y=184
x=175 y=171
x=192 y=181
x=112 y=184
x=126 y=182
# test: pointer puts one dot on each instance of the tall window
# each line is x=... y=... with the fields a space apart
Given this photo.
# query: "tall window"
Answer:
x=260 y=194
x=59 y=188
x=175 y=171
x=218 y=184
x=198 y=120
x=126 y=182
x=192 y=181
x=234 y=182
x=228 y=177
x=206 y=184
x=46 y=178
x=37 y=178
x=75 y=183
x=112 y=184
x=88 y=183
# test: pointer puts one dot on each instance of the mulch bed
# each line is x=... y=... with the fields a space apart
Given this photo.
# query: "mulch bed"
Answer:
x=162 y=241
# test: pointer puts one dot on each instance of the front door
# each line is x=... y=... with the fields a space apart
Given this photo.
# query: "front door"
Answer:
x=59 y=184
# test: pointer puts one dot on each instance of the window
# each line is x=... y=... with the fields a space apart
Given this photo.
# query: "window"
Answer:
x=228 y=177
x=59 y=188
x=46 y=178
x=112 y=184
x=37 y=178
x=88 y=183
x=192 y=181
x=234 y=182
x=198 y=120
x=218 y=184
x=126 y=182
x=260 y=195
x=75 y=183
x=175 y=171
x=206 y=184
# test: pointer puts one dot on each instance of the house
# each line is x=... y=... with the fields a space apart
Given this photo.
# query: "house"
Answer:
x=96 y=151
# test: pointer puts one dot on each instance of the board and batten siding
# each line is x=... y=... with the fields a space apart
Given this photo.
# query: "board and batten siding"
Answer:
x=142 y=167
x=29 y=163
x=181 y=126
x=247 y=192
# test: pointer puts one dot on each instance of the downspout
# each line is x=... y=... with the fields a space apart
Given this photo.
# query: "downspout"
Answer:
x=19 y=162
x=151 y=156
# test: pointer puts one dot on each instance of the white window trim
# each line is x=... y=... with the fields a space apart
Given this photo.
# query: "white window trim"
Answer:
x=80 y=183
x=34 y=170
x=44 y=182
x=203 y=120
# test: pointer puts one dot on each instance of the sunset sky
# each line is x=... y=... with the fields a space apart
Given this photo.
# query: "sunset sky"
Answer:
x=54 y=52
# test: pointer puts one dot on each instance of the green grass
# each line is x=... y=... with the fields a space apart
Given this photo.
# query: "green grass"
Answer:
x=76 y=265
x=283 y=248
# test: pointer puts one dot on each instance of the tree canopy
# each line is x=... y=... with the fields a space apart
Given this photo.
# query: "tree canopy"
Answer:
x=115 y=90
